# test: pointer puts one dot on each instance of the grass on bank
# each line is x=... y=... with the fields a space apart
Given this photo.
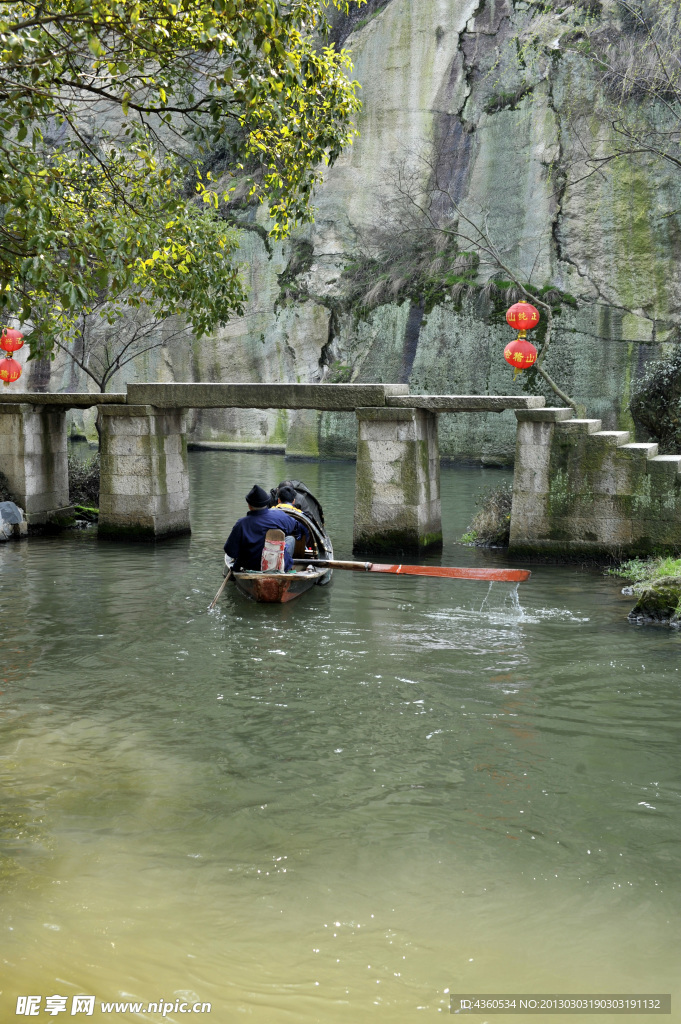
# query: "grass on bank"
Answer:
x=643 y=571
x=656 y=584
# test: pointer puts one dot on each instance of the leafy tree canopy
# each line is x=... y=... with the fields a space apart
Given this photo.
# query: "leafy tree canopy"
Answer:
x=110 y=111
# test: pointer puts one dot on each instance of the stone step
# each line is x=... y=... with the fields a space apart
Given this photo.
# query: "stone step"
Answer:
x=670 y=464
x=615 y=437
x=550 y=414
x=640 y=451
x=581 y=426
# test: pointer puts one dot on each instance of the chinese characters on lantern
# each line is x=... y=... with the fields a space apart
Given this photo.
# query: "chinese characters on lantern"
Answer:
x=521 y=354
x=522 y=316
x=10 y=341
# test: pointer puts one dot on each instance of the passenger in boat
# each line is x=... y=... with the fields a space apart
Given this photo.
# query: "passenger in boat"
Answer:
x=247 y=539
x=286 y=498
x=303 y=500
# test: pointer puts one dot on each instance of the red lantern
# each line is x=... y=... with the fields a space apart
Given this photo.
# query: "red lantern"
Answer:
x=10 y=370
x=522 y=317
x=11 y=340
x=520 y=354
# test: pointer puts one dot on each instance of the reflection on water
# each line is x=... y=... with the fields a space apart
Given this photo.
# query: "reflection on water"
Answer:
x=339 y=809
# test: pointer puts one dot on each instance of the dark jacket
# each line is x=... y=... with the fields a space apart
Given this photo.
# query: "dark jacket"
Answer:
x=247 y=539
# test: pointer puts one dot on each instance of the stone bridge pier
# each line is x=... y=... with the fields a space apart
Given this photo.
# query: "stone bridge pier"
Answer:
x=144 y=484
x=33 y=458
x=397 y=483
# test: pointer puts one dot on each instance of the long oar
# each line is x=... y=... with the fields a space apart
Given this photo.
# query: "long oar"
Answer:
x=452 y=572
x=217 y=596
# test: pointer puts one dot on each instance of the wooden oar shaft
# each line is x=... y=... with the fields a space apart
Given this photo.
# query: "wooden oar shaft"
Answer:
x=325 y=563
x=449 y=572
x=222 y=587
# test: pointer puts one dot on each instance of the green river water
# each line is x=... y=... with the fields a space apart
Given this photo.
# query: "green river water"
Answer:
x=343 y=809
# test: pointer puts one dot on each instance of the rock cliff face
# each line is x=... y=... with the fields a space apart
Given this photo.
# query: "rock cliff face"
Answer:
x=485 y=96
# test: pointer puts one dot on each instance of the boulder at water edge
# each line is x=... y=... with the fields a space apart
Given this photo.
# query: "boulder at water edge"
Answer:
x=660 y=601
x=12 y=522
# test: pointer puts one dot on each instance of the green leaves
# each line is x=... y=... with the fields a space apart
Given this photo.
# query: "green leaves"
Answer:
x=95 y=45
x=105 y=104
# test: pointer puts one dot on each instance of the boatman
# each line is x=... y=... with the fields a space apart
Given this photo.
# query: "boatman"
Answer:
x=246 y=541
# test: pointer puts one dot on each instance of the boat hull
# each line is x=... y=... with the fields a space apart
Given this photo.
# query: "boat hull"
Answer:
x=276 y=587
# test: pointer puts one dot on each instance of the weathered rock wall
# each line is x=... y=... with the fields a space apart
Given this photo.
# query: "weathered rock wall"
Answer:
x=443 y=82
x=442 y=79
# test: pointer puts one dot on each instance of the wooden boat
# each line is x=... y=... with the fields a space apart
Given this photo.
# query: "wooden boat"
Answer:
x=280 y=587
x=315 y=567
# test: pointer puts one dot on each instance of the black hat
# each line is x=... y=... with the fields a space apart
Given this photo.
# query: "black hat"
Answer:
x=258 y=497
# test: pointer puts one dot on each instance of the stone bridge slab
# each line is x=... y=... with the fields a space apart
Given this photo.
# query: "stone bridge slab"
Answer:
x=74 y=400
x=466 y=403
x=324 y=397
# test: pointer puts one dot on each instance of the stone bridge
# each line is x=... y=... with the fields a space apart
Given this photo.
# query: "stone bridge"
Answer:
x=144 y=489
x=577 y=489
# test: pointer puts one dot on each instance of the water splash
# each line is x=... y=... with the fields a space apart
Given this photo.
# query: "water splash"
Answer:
x=489 y=591
x=514 y=597
x=505 y=609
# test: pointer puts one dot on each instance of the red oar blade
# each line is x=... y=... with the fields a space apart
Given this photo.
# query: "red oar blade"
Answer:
x=494 y=575
x=450 y=572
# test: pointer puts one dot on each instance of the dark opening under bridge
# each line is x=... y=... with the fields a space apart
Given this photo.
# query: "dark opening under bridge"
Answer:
x=576 y=487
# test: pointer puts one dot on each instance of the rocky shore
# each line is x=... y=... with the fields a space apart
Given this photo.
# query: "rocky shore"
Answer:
x=659 y=601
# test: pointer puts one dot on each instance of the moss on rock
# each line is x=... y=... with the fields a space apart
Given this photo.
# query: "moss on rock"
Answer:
x=491 y=524
x=5 y=492
x=659 y=601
